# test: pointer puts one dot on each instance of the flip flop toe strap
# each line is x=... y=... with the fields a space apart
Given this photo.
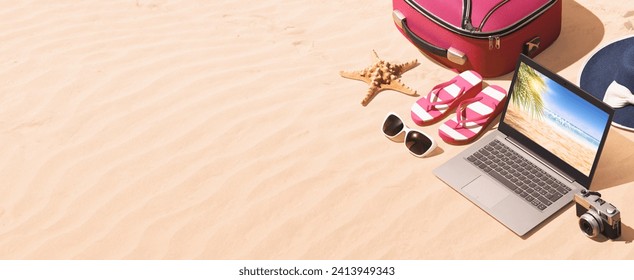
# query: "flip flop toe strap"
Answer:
x=461 y=112
x=436 y=90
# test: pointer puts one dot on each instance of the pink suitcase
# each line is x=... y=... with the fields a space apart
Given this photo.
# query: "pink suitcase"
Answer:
x=482 y=35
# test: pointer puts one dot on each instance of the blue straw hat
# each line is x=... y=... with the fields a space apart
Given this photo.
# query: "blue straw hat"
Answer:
x=612 y=64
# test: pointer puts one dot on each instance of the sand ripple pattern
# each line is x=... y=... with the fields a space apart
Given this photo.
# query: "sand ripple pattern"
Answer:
x=163 y=129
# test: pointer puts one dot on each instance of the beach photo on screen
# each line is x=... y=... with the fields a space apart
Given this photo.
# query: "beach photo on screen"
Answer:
x=556 y=118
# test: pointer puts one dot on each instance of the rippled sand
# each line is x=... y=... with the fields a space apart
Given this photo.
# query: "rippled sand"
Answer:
x=162 y=129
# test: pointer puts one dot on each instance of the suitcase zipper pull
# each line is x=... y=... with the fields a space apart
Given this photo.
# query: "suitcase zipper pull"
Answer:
x=494 y=42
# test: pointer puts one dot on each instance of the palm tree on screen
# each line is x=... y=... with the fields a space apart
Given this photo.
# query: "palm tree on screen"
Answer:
x=528 y=90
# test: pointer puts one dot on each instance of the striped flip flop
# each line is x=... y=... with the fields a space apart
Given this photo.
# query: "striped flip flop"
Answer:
x=473 y=116
x=444 y=98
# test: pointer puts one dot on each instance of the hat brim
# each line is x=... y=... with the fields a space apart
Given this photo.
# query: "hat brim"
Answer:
x=598 y=73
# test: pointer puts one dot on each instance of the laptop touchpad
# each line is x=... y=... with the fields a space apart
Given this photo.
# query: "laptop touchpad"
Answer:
x=486 y=191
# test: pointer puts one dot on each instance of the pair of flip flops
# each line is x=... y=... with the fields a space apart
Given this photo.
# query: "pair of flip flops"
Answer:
x=474 y=106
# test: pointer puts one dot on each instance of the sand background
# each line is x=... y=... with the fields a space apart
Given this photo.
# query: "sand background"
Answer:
x=222 y=130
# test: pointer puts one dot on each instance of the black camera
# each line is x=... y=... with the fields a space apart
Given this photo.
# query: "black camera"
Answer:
x=596 y=216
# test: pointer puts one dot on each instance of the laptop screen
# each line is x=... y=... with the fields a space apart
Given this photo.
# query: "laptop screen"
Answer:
x=556 y=118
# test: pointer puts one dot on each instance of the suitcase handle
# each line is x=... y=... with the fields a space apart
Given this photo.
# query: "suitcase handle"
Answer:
x=451 y=54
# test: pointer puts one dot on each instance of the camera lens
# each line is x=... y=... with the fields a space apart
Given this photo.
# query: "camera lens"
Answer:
x=590 y=225
x=586 y=227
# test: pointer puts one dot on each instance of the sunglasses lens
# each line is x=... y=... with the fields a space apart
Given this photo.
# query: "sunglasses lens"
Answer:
x=417 y=142
x=392 y=125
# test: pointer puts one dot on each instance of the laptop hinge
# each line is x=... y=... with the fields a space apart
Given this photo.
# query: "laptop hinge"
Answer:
x=519 y=146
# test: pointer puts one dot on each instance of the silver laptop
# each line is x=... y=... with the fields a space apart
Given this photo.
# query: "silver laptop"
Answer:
x=545 y=150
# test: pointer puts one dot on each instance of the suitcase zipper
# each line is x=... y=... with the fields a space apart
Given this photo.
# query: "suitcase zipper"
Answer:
x=488 y=15
x=466 y=16
x=480 y=35
x=494 y=42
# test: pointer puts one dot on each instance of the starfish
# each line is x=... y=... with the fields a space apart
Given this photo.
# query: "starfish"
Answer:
x=382 y=75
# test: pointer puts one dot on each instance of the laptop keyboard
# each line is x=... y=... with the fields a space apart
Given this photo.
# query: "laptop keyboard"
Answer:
x=519 y=175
